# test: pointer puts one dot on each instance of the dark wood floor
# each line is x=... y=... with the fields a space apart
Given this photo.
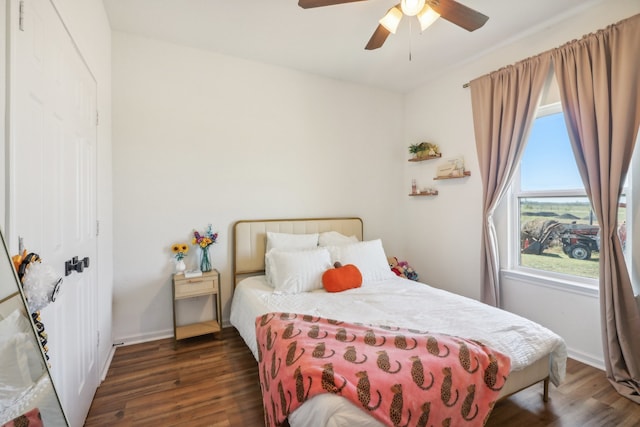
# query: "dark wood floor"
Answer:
x=205 y=382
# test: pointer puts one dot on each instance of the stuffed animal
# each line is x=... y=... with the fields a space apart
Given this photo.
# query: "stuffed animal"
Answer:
x=409 y=272
x=393 y=264
x=402 y=268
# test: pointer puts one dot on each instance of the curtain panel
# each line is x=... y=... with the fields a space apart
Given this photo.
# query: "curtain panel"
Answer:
x=599 y=81
x=504 y=105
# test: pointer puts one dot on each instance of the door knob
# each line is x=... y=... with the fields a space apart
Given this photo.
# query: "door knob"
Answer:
x=75 y=265
x=79 y=267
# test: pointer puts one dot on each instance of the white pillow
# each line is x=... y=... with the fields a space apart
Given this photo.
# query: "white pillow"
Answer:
x=333 y=238
x=286 y=241
x=299 y=271
x=368 y=256
x=15 y=372
x=13 y=324
x=17 y=325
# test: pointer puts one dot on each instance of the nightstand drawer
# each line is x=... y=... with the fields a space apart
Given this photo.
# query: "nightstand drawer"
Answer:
x=195 y=286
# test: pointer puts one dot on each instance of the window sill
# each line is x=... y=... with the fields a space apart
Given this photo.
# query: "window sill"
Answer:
x=553 y=282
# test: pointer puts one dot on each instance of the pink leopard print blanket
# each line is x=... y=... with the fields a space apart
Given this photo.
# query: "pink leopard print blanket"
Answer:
x=401 y=377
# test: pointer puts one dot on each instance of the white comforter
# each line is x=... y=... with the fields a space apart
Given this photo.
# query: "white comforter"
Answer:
x=408 y=304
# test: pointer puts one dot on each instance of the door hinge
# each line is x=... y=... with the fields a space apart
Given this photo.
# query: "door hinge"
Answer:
x=97 y=118
x=21 y=16
x=97 y=228
x=98 y=339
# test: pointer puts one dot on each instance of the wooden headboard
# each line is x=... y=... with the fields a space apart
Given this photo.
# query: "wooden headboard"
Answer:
x=250 y=238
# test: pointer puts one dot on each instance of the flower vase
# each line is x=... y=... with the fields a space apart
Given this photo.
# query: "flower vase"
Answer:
x=180 y=266
x=205 y=260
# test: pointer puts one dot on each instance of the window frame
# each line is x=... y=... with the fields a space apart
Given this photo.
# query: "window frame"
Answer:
x=509 y=210
x=515 y=194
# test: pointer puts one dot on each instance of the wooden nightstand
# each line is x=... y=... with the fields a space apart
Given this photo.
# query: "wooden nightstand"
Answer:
x=197 y=287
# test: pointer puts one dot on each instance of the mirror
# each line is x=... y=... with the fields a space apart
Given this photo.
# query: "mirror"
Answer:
x=26 y=389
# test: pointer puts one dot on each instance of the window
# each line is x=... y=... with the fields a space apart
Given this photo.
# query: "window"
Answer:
x=555 y=231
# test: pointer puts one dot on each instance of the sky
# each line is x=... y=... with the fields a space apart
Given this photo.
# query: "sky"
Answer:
x=548 y=162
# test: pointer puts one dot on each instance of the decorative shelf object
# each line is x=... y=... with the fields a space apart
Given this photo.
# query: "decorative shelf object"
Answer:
x=424 y=151
x=423 y=158
x=466 y=173
x=425 y=193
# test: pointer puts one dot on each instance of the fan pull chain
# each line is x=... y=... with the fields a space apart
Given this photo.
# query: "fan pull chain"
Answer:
x=410 y=27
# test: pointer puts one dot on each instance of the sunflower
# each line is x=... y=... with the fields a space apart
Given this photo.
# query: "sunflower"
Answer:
x=180 y=250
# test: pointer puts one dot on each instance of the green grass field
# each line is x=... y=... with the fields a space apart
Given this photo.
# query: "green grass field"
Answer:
x=553 y=259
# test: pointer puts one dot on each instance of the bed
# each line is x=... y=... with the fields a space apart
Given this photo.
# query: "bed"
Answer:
x=537 y=354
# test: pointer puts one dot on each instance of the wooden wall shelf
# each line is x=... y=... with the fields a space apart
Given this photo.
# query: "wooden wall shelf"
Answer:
x=424 y=193
x=422 y=159
x=466 y=173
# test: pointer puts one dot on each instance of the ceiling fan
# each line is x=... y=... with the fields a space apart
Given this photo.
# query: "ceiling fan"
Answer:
x=427 y=11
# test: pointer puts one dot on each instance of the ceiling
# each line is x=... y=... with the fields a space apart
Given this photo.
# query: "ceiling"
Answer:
x=329 y=41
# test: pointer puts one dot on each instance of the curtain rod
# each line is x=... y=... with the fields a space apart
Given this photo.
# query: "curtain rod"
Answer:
x=573 y=42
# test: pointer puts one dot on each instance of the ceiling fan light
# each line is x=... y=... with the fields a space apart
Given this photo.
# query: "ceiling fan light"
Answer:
x=412 y=7
x=391 y=20
x=427 y=16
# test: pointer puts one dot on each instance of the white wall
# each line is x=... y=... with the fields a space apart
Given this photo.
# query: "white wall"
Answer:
x=444 y=231
x=89 y=26
x=204 y=138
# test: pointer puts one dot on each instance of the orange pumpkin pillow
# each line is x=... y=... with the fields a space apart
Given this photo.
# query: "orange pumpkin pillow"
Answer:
x=341 y=278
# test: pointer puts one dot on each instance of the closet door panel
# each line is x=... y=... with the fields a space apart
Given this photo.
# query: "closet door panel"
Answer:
x=52 y=197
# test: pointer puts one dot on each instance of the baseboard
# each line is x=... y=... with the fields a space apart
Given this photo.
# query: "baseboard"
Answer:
x=140 y=338
x=153 y=336
x=107 y=363
x=587 y=359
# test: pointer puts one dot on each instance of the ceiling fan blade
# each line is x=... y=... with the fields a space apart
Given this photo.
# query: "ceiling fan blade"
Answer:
x=459 y=14
x=308 y=4
x=378 y=38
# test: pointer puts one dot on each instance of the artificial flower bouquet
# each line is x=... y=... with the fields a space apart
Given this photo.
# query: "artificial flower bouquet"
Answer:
x=203 y=241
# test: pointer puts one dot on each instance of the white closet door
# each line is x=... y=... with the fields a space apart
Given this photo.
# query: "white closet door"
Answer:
x=52 y=122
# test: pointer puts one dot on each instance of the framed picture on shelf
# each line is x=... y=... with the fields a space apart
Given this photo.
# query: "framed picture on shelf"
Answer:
x=450 y=168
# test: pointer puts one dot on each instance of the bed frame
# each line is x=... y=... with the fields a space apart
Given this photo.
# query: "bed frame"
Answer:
x=249 y=244
x=250 y=238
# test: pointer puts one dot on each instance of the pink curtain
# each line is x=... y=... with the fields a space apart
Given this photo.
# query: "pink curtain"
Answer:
x=599 y=80
x=504 y=105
